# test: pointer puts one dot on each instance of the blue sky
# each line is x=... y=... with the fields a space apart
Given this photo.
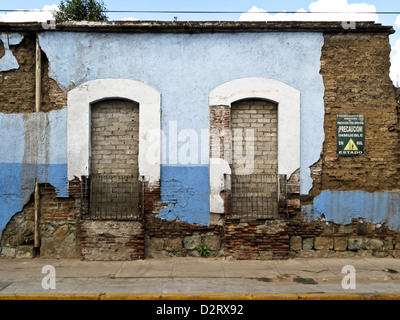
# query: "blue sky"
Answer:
x=259 y=10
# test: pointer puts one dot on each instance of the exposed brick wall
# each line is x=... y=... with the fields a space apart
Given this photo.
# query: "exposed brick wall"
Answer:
x=111 y=240
x=56 y=209
x=260 y=117
x=18 y=86
x=255 y=158
x=54 y=97
x=57 y=229
x=261 y=240
x=220 y=135
x=114 y=150
x=355 y=71
x=58 y=225
x=115 y=137
x=75 y=188
x=2 y=50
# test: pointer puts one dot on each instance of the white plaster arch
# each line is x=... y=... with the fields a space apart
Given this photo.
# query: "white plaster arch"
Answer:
x=288 y=100
x=78 y=124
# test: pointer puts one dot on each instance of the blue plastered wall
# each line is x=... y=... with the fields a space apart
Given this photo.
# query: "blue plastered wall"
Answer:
x=33 y=148
x=185 y=68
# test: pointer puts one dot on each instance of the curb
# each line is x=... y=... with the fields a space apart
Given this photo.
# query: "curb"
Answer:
x=199 y=296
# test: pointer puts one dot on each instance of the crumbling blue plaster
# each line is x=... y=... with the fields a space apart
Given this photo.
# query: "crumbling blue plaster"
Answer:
x=342 y=206
x=186 y=193
x=17 y=183
x=8 y=61
x=185 y=68
x=33 y=148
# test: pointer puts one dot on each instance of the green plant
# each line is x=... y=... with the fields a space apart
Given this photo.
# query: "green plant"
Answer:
x=90 y=10
x=203 y=250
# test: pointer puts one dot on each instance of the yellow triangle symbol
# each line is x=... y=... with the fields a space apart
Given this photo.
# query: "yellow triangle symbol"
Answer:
x=351 y=146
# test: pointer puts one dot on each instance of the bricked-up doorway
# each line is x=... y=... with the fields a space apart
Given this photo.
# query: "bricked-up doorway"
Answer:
x=254 y=178
x=114 y=173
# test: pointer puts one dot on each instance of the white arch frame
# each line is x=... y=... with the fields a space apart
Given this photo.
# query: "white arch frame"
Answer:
x=79 y=122
x=288 y=100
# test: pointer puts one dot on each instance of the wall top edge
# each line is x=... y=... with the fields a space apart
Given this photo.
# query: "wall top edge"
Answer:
x=198 y=26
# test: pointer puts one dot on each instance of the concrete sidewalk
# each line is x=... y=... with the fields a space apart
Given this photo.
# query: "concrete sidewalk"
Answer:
x=204 y=278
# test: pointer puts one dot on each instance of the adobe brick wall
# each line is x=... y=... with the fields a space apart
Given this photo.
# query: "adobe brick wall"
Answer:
x=57 y=221
x=261 y=239
x=355 y=71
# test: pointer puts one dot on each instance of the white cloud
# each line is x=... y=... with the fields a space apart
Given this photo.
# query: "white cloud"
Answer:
x=323 y=10
x=42 y=15
x=398 y=21
x=395 y=63
x=129 y=19
x=327 y=10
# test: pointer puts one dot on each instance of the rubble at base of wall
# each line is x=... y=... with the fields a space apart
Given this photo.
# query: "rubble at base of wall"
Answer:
x=174 y=238
x=57 y=229
x=321 y=239
x=110 y=240
x=64 y=235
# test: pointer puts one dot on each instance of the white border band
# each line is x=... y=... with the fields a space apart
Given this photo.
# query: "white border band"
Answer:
x=288 y=100
x=78 y=127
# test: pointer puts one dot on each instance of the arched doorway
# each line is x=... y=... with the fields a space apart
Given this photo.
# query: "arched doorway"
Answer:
x=114 y=168
x=221 y=99
x=254 y=165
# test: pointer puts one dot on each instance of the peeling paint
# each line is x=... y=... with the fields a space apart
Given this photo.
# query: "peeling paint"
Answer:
x=343 y=206
x=8 y=61
x=33 y=147
x=186 y=193
x=172 y=64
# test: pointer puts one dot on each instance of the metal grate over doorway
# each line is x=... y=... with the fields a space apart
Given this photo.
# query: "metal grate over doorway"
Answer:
x=255 y=196
x=114 y=197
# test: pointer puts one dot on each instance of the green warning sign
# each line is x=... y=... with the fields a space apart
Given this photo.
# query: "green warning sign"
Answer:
x=350 y=134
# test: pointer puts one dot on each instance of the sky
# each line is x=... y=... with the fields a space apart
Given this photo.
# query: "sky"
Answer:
x=255 y=10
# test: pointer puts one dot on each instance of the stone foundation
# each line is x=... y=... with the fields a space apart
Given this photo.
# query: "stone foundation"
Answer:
x=57 y=229
x=326 y=239
x=174 y=238
x=111 y=240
